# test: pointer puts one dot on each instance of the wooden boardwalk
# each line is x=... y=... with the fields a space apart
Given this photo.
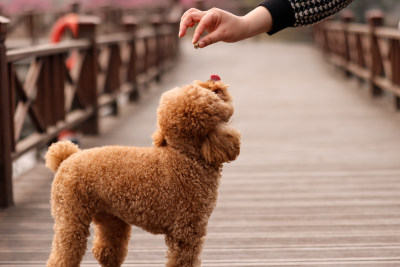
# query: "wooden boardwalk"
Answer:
x=317 y=182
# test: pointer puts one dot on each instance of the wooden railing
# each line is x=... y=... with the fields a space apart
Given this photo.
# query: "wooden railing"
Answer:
x=52 y=97
x=369 y=52
x=35 y=26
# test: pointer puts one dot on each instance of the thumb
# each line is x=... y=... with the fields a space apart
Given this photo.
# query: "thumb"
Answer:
x=211 y=38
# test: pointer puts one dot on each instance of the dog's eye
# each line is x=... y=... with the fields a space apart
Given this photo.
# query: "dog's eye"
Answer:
x=218 y=91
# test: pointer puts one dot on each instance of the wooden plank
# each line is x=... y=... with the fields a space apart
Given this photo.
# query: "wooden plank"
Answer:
x=73 y=119
x=32 y=77
x=58 y=93
x=316 y=183
x=6 y=115
x=72 y=77
x=46 y=50
x=30 y=92
x=387 y=85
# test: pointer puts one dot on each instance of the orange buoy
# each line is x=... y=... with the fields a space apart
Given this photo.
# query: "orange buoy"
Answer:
x=70 y=22
x=67 y=22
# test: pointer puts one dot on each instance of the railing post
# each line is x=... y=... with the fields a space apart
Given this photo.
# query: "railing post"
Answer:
x=130 y=26
x=6 y=116
x=375 y=19
x=147 y=56
x=199 y=4
x=396 y=69
x=174 y=38
x=324 y=36
x=50 y=90
x=75 y=7
x=347 y=17
x=88 y=79
x=44 y=100
x=156 y=22
x=31 y=26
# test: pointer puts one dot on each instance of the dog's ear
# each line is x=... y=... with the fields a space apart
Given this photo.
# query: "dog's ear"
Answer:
x=221 y=145
x=159 y=139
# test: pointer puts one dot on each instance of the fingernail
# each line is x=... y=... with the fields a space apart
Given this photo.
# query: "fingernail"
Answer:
x=202 y=44
x=195 y=38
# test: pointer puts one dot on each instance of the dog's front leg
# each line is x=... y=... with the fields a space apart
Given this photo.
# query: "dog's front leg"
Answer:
x=184 y=252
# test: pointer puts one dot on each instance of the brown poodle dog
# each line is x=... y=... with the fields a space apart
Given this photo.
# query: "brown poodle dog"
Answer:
x=168 y=189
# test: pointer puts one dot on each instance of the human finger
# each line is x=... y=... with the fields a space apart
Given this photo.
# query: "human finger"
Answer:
x=210 y=22
x=209 y=39
x=189 y=20
x=191 y=10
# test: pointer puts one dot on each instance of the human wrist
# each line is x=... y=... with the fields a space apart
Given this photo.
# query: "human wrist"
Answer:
x=257 y=21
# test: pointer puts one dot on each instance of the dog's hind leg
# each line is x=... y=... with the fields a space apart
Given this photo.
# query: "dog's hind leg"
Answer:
x=69 y=242
x=111 y=240
x=184 y=252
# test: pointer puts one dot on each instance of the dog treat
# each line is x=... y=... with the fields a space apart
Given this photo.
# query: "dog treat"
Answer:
x=215 y=78
x=196 y=45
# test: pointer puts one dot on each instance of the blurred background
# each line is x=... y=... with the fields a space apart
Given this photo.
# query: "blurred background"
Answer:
x=33 y=21
x=16 y=7
x=35 y=18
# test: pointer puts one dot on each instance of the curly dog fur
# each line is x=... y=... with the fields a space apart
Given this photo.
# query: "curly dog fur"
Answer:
x=168 y=189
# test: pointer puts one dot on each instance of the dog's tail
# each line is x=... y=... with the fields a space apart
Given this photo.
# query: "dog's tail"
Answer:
x=58 y=152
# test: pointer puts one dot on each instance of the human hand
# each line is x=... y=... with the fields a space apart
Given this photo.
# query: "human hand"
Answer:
x=220 y=25
x=224 y=26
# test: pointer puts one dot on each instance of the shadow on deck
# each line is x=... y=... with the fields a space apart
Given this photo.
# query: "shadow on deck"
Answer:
x=316 y=184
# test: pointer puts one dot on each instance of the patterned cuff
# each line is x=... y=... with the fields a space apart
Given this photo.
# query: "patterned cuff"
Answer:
x=282 y=14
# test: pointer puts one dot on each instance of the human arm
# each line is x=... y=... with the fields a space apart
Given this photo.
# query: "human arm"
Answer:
x=271 y=16
x=224 y=26
x=295 y=13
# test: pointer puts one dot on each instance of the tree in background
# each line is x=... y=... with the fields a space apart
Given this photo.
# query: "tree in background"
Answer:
x=391 y=9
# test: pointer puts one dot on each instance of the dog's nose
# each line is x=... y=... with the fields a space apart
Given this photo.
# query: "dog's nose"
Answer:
x=215 y=78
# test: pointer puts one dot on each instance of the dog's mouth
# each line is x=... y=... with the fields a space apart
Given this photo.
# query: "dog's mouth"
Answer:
x=222 y=94
x=218 y=92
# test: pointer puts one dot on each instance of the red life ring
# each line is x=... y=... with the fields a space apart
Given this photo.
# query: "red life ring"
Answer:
x=67 y=22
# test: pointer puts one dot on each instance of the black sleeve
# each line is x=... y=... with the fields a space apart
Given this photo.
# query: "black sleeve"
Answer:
x=282 y=14
x=295 y=13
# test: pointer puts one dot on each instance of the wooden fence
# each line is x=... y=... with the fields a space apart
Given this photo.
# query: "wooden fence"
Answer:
x=52 y=97
x=33 y=25
x=369 y=52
